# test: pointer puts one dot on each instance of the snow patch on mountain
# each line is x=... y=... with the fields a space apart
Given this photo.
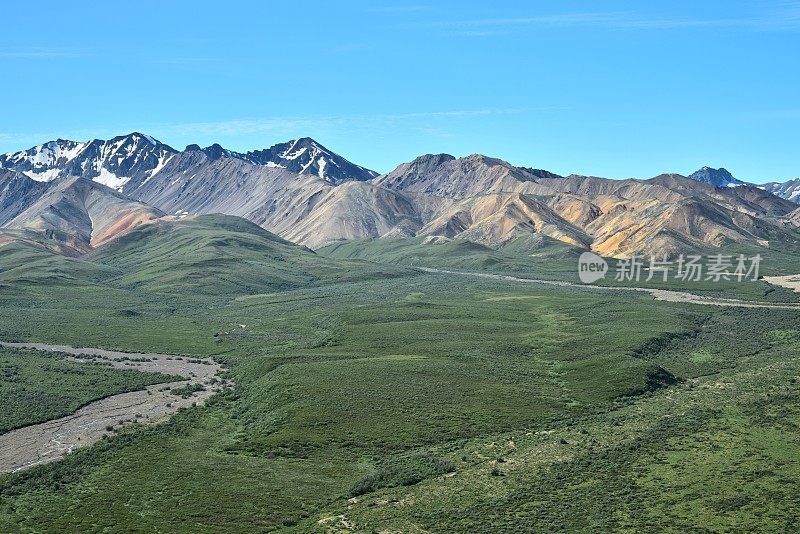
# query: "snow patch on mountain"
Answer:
x=789 y=190
x=128 y=162
x=306 y=156
x=109 y=179
x=162 y=162
x=42 y=176
x=716 y=177
x=113 y=163
x=42 y=161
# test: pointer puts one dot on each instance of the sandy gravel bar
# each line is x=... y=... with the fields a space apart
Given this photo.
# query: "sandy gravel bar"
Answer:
x=46 y=442
x=791 y=281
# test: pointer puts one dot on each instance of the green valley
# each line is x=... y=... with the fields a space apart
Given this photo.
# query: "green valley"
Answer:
x=376 y=397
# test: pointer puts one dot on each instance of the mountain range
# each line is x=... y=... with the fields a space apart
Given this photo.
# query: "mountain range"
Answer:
x=74 y=197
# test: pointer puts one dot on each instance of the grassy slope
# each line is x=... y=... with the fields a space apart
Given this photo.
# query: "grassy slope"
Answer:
x=379 y=386
x=215 y=254
x=717 y=452
x=539 y=257
x=26 y=265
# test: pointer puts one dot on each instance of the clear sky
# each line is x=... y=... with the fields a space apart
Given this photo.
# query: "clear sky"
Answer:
x=617 y=89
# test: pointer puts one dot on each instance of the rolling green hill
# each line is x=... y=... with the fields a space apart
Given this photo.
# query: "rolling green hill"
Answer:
x=29 y=264
x=212 y=254
x=217 y=254
x=534 y=254
x=540 y=257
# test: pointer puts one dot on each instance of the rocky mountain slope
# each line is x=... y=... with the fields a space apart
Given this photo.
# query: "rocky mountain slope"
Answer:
x=306 y=156
x=793 y=219
x=17 y=193
x=76 y=213
x=789 y=190
x=716 y=177
x=303 y=192
x=132 y=158
x=668 y=213
x=128 y=162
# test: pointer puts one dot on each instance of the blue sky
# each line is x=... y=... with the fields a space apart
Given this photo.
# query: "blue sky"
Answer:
x=617 y=89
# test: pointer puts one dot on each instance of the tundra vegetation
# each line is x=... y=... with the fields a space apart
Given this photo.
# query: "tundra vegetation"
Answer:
x=375 y=397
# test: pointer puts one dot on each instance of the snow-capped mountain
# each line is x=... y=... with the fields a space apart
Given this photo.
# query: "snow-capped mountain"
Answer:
x=43 y=162
x=789 y=190
x=306 y=156
x=135 y=157
x=127 y=162
x=716 y=177
x=305 y=193
x=300 y=156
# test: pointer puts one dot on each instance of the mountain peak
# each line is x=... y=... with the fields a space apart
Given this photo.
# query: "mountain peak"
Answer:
x=307 y=156
x=306 y=141
x=446 y=176
x=114 y=162
x=489 y=161
x=716 y=177
x=721 y=170
x=216 y=151
x=433 y=159
x=138 y=136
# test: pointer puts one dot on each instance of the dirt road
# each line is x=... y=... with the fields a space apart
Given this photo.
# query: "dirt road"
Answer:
x=46 y=442
x=658 y=294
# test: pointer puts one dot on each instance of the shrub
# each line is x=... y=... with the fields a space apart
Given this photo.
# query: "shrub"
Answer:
x=403 y=472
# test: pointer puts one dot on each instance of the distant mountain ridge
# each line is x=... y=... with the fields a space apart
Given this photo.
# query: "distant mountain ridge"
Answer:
x=115 y=162
x=126 y=162
x=789 y=190
x=300 y=156
x=666 y=214
x=447 y=176
x=305 y=193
